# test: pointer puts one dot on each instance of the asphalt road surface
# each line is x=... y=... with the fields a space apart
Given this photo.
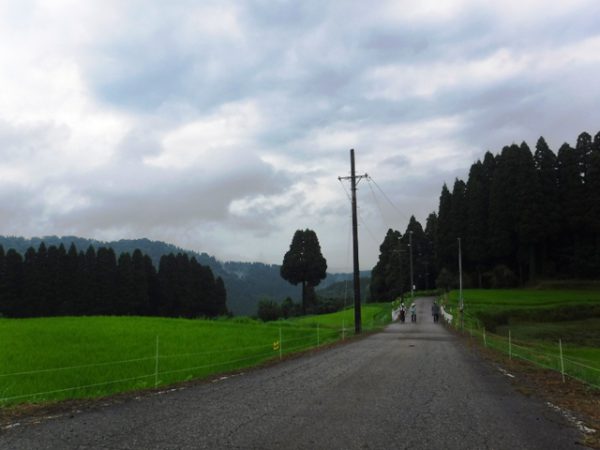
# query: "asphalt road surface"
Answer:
x=413 y=386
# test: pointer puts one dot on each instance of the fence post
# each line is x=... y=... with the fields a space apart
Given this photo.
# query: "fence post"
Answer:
x=280 y=343
x=318 y=337
x=156 y=364
x=484 y=339
x=343 y=329
x=509 y=346
x=562 y=362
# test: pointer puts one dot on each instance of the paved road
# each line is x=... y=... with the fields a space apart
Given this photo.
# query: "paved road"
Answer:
x=409 y=387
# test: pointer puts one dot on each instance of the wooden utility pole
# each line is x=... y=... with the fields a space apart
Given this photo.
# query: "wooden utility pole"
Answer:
x=353 y=184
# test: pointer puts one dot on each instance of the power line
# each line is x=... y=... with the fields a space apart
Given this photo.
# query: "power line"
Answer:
x=388 y=199
x=360 y=218
x=375 y=200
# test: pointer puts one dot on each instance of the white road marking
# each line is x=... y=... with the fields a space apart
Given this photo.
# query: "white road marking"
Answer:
x=571 y=418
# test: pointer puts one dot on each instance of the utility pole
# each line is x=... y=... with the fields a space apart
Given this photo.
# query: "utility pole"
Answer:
x=412 y=283
x=460 y=294
x=353 y=184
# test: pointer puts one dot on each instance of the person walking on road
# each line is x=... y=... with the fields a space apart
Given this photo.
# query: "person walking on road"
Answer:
x=413 y=313
x=402 y=312
x=435 y=312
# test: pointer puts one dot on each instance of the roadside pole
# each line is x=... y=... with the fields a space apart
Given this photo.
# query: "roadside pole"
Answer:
x=280 y=343
x=562 y=361
x=156 y=365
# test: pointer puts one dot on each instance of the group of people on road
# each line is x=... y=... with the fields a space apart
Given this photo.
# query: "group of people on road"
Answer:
x=435 y=312
x=413 y=312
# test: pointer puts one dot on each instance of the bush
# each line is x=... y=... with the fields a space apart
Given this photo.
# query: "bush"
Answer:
x=268 y=310
x=290 y=309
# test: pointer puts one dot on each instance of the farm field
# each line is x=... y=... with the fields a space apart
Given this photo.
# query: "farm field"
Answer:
x=60 y=358
x=541 y=324
x=373 y=315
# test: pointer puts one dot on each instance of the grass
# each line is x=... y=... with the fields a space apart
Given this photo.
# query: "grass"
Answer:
x=373 y=315
x=477 y=300
x=54 y=359
x=536 y=321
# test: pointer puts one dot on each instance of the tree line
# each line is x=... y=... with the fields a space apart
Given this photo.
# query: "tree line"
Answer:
x=53 y=281
x=521 y=216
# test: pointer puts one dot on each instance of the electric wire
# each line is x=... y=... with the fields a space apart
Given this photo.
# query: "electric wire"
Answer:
x=388 y=199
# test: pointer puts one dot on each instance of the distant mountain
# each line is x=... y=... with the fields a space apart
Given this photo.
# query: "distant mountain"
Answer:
x=345 y=288
x=154 y=249
x=246 y=283
x=341 y=277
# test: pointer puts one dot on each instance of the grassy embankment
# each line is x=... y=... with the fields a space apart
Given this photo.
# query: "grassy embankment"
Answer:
x=52 y=359
x=536 y=320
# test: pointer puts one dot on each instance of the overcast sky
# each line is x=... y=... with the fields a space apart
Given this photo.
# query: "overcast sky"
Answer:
x=222 y=127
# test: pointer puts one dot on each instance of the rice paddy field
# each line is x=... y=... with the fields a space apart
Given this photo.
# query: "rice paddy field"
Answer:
x=554 y=328
x=51 y=359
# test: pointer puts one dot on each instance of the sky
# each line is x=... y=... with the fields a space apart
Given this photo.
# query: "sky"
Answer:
x=223 y=126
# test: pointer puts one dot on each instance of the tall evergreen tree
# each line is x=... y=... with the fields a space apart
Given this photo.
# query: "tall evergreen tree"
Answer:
x=458 y=210
x=421 y=254
x=529 y=215
x=502 y=219
x=388 y=279
x=124 y=301
x=477 y=197
x=71 y=279
x=593 y=205
x=13 y=305
x=185 y=296
x=445 y=238
x=140 y=299
x=155 y=296
x=431 y=226
x=89 y=288
x=106 y=281
x=167 y=278
x=220 y=297
x=35 y=281
x=2 y=281
x=304 y=263
x=572 y=205
x=547 y=174
x=583 y=152
x=208 y=302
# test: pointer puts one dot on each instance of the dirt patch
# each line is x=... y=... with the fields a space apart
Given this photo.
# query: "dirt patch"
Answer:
x=574 y=398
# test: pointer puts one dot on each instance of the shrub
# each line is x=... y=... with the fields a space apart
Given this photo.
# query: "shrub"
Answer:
x=268 y=310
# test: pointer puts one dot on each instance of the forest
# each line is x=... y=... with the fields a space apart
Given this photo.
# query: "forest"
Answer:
x=246 y=283
x=521 y=216
x=53 y=281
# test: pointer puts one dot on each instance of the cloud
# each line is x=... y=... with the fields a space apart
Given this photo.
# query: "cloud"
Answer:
x=224 y=139
x=222 y=126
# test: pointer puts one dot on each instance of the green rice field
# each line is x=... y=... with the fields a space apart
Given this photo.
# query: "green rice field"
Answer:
x=52 y=359
x=537 y=325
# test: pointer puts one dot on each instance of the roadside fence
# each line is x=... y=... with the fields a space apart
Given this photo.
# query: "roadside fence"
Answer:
x=554 y=357
x=100 y=378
